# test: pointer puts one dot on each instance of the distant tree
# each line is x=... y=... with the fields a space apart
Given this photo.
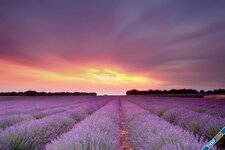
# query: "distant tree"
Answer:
x=209 y=92
x=132 y=92
x=31 y=93
x=174 y=91
x=219 y=91
x=202 y=91
x=35 y=93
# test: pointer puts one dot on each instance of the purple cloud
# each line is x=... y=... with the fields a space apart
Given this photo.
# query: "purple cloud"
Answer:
x=181 y=42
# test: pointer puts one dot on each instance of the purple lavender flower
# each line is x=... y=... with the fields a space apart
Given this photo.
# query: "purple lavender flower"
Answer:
x=34 y=134
x=148 y=131
x=99 y=131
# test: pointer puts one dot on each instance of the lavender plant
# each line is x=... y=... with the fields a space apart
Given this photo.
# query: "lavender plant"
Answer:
x=201 y=124
x=34 y=134
x=12 y=119
x=212 y=107
x=150 y=132
x=98 y=132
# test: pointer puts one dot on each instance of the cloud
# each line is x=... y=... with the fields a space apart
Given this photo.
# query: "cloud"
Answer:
x=180 y=42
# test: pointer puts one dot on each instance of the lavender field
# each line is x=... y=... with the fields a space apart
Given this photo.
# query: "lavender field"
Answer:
x=109 y=123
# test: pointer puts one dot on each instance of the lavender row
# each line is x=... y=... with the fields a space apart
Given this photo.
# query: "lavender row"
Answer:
x=98 y=132
x=47 y=112
x=9 y=120
x=26 y=105
x=212 y=107
x=201 y=124
x=147 y=131
x=34 y=134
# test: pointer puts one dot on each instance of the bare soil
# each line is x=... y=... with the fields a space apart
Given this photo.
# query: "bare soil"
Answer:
x=124 y=135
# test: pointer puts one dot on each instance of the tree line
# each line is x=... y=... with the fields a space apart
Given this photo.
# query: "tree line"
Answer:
x=174 y=91
x=35 y=93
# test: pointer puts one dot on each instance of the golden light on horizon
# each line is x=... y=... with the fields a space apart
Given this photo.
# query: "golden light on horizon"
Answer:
x=99 y=76
x=78 y=77
x=113 y=77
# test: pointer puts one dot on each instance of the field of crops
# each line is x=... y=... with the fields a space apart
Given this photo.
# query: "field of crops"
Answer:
x=109 y=123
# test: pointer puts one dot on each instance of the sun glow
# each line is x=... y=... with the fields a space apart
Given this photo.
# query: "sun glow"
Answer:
x=99 y=76
x=113 y=77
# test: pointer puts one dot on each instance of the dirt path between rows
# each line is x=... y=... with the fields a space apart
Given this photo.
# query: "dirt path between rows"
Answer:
x=124 y=138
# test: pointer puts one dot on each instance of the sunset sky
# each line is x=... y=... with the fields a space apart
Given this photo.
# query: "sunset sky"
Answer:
x=111 y=46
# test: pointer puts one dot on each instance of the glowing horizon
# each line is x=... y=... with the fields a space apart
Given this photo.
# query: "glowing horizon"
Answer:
x=102 y=76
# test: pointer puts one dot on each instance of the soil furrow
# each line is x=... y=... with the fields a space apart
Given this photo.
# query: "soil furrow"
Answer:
x=124 y=134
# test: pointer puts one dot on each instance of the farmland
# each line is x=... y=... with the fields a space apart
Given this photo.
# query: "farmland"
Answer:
x=109 y=123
